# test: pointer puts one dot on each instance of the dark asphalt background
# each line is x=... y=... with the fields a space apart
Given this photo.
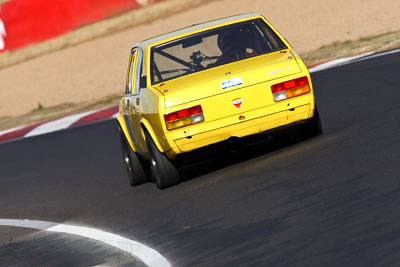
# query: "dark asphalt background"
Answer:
x=330 y=201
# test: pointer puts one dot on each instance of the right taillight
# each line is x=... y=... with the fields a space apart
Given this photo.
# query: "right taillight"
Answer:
x=289 y=89
x=184 y=117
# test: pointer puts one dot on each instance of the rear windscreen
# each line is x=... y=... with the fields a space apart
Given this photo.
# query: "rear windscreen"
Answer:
x=212 y=48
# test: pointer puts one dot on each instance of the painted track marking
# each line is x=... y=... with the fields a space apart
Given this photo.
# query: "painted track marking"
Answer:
x=147 y=255
x=58 y=124
x=338 y=62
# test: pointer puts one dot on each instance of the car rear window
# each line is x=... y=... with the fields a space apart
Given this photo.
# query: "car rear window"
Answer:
x=212 y=48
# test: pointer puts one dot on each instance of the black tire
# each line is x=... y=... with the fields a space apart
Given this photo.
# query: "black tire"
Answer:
x=138 y=170
x=313 y=127
x=163 y=169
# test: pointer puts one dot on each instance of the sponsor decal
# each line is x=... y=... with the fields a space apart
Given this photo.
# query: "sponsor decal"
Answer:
x=231 y=83
x=144 y=2
x=273 y=72
x=3 y=35
x=238 y=102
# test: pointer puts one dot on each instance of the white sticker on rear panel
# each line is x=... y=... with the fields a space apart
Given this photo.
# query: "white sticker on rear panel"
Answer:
x=231 y=82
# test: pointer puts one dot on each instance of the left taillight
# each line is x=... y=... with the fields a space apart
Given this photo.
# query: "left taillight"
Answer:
x=289 y=89
x=184 y=117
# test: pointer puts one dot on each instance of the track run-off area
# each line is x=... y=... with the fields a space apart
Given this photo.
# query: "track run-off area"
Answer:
x=329 y=201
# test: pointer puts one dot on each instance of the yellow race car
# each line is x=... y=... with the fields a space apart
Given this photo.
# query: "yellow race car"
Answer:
x=201 y=85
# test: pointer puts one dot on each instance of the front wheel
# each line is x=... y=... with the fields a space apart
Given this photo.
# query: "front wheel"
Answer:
x=136 y=168
x=163 y=169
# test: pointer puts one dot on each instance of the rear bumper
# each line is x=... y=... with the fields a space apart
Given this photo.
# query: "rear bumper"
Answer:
x=242 y=129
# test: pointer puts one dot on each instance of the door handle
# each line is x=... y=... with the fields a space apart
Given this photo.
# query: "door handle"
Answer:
x=137 y=101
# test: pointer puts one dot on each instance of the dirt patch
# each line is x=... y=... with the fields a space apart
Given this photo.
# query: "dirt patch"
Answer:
x=95 y=69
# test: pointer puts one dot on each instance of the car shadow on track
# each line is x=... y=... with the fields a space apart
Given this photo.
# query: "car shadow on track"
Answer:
x=231 y=152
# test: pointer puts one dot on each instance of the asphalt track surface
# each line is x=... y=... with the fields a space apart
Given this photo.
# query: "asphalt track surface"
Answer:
x=330 y=201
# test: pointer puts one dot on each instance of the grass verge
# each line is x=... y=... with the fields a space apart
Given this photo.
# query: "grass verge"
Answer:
x=379 y=43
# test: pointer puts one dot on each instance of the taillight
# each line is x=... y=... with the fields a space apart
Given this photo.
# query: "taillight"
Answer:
x=184 y=117
x=289 y=89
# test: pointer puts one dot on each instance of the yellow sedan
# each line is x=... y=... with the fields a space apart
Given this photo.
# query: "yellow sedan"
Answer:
x=207 y=83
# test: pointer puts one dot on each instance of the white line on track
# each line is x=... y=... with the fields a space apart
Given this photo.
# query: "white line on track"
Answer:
x=348 y=60
x=338 y=62
x=147 y=255
x=377 y=55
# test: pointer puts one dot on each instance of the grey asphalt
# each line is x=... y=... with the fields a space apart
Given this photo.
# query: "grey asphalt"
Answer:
x=329 y=201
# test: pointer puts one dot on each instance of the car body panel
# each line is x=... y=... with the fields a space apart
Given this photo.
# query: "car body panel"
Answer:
x=242 y=129
x=208 y=83
x=236 y=98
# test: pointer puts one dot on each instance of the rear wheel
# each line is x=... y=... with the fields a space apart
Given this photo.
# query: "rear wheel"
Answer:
x=163 y=169
x=313 y=127
x=137 y=169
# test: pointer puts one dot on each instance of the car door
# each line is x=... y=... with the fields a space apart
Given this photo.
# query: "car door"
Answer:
x=131 y=100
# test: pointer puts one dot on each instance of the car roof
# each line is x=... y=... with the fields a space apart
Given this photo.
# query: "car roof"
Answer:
x=196 y=27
